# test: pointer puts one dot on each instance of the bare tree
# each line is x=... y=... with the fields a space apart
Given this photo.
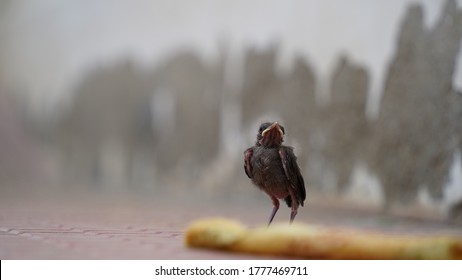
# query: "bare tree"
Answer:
x=346 y=124
x=413 y=131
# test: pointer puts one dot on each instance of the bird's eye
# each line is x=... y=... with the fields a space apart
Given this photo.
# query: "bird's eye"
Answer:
x=263 y=127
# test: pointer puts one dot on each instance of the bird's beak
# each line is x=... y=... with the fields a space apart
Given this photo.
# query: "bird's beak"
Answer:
x=272 y=135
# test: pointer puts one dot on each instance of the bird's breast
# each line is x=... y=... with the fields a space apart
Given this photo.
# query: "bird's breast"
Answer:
x=268 y=172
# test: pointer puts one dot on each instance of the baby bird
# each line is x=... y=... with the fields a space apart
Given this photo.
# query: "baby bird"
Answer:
x=273 y=168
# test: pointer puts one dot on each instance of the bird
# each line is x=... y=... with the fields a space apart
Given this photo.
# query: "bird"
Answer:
x=273 y=168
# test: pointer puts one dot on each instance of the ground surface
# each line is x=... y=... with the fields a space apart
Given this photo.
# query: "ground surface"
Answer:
x=128 y=227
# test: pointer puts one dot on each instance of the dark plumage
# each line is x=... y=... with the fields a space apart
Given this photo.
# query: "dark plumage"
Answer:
x=273 y=168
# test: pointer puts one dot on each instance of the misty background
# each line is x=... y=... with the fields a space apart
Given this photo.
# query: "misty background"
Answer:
x=142 y=96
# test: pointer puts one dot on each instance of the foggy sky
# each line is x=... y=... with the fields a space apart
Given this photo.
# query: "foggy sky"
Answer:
x=47 y=44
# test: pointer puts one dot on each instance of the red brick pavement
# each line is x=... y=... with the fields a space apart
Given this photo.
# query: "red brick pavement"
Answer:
x=149 y=228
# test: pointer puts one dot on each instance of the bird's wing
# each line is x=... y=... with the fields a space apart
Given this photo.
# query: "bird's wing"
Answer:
x=247 y=164
x=292 y=171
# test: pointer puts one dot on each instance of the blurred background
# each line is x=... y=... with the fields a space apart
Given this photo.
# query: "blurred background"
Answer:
x=155 y=98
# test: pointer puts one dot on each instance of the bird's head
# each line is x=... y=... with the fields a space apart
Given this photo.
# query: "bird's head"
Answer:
x=270 y=135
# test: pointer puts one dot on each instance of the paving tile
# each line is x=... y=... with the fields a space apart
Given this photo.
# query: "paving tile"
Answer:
x=130 y=230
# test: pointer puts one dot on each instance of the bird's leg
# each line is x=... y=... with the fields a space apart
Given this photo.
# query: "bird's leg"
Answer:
x=293 y=213
x=275 y=208
x=294 y=206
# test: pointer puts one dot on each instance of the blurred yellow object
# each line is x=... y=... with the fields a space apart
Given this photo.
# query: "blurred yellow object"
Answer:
x=315 y=242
